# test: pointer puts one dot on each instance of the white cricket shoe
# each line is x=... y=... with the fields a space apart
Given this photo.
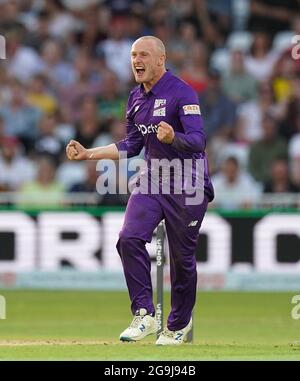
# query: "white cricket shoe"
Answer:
x=142 y=325
x=168 y=337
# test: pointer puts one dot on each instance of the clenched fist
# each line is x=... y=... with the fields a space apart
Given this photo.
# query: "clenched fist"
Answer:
x=165 y=133
x=75 y=151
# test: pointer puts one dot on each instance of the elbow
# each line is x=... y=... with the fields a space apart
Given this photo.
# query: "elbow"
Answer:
x=198 y=145
x=194 y=144
x=198 y=149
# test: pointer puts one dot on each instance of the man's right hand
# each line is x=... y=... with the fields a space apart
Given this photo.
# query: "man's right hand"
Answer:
x=75 y=151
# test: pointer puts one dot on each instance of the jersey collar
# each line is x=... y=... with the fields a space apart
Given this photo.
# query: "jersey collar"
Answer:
x=159 y=84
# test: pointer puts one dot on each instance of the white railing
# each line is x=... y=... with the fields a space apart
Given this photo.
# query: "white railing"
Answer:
x=285 y=200
x=16 y=198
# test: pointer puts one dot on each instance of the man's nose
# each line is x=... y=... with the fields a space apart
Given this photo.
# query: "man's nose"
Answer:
x=137 y=60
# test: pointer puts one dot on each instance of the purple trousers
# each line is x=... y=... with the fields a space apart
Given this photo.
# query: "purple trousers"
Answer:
x=143 y=214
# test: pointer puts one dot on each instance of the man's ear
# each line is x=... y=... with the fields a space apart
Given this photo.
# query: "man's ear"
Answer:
x=161 y=60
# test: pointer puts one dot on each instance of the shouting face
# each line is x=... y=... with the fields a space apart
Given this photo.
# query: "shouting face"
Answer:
x=148 y=60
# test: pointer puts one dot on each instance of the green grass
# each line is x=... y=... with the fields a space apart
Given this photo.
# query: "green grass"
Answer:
x=85 y=325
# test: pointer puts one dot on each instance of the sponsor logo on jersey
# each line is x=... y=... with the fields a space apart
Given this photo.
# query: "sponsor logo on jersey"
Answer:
x=151 y=129
x=191 y=109
x=160 y=112
x=159 y=103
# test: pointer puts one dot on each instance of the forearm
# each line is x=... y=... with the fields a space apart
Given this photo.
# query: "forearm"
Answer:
x=106 y=152
x=276 y=12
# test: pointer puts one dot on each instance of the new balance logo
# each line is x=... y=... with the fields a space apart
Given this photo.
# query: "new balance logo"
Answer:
x=178 y=336
x=193 y=223
x=142 y=328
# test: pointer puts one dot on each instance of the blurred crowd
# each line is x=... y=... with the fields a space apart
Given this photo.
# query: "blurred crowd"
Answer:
x=67 y=75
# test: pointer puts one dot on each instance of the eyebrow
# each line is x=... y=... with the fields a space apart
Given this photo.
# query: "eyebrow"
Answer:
x=143 y=51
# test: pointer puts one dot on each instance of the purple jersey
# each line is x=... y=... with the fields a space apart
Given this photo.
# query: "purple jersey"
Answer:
x=175 y=102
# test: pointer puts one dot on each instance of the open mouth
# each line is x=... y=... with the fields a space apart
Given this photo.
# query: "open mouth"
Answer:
x=140 y=71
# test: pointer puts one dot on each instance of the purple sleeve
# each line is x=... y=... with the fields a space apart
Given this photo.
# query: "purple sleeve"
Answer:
x=134 y=142
x=193 y=138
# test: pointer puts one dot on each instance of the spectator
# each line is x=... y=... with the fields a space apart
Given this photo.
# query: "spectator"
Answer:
x=89 y=125
x=89 y=183
x=55 y=67
x=93 y=31
x=283 y=75
x=259 y=63
x=160 y=13
x=21 y=62
x=48 y=142
x=218 y=111
x=19 y=117
x=180 y=48
x=80 y=5
x=250 y=114
x=111 y=103
x=64 y=131
x=4 y=88
x=109 y=195
x=44 y=191
x=234 y=188
x=137 y=25
x=38 y=95
x=116 y=49
x=88 y=84
x=266 y=150
x=116 y=132
x=294 y=153
x=214 y=17
x=11 y=11
x=61 y=22
x=280 y=181
x=39 y=32
x=237 y=84
x=70 y=173
x=273 y=16
x=123 y=7
x=15 y=169
x=289 y=124
x=296 y=31
x=2 y=128
x=194 y=71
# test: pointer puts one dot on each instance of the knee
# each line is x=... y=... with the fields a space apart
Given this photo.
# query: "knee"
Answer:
x=186 y=264
x=126 y=244
x=123 y=243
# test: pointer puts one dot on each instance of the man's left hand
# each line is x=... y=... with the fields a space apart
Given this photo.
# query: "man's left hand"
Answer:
x=165 y=133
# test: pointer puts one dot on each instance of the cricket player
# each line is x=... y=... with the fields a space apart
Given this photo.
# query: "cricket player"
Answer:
x=163 y=115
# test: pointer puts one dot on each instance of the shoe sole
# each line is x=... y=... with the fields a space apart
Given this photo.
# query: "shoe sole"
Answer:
x=129 y=339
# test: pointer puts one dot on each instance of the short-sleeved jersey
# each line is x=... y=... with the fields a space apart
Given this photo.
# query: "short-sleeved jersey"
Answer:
x=175 y=102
